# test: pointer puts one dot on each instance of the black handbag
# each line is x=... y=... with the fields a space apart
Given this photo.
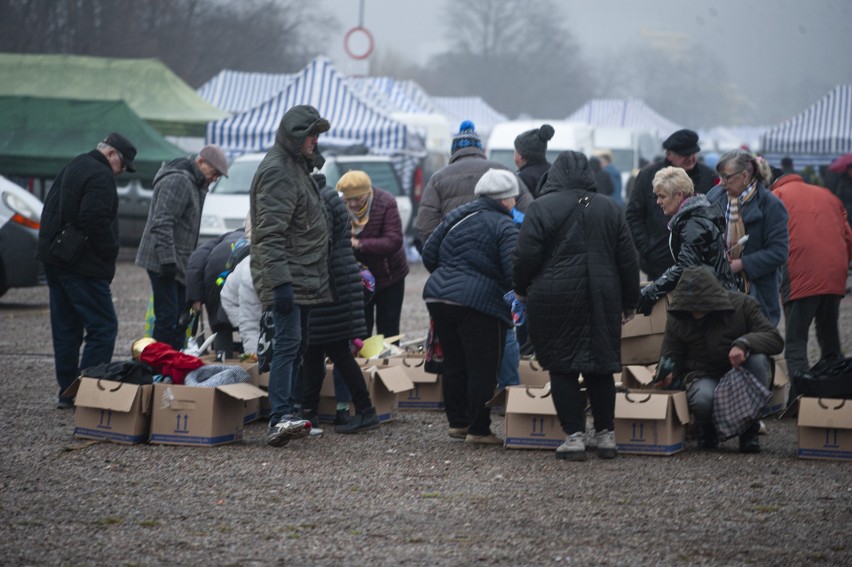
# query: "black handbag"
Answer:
x=67 y=246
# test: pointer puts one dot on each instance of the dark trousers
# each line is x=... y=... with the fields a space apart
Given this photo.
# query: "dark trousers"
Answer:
x=385 y=309
x=81 y=310
x=315 y=370
x=473 y=347
x=823 y=310
x=568 y=400
x=169 y=299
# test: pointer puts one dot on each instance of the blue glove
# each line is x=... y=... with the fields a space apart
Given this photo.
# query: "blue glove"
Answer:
x=283 y=302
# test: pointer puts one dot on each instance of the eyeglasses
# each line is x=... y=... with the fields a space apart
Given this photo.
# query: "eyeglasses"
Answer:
x=727 y=176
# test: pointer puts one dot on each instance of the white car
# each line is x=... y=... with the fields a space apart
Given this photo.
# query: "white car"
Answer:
x=20 y=219
x=227 y=203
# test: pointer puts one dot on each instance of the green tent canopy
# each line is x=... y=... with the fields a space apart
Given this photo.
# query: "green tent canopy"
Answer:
x=38 y=136
x=150 y=88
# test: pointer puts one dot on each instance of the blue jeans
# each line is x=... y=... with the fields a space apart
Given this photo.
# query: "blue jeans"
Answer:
x=284 y=366
x=169 y=299
x=509 y=374
x=81 y=310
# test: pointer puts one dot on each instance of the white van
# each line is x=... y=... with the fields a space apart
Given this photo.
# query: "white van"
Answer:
x=574 y=136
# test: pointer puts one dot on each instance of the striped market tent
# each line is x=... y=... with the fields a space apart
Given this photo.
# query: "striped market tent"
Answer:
x=623 y=113
x=473 y=108
x=239 y=91
x=817 y=136
x=353 y=119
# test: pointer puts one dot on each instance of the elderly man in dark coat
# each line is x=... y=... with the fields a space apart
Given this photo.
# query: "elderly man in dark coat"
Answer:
x=576 y=265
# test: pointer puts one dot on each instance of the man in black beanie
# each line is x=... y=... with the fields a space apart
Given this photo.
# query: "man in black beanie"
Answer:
x=648 y=224
x=531 y=155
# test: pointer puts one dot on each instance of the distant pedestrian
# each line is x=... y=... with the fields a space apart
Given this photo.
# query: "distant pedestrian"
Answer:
x=83 y=200
x=531 y=155
x=171 y=234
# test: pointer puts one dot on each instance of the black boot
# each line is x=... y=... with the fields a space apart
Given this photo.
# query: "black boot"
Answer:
x=362 y=421
x=748 y=440
x=706 y=435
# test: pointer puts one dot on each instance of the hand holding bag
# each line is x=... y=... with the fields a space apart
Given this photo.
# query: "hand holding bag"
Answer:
x=737 y=402
x=433 y=359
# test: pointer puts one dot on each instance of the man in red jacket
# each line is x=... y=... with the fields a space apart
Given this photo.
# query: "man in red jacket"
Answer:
x=815 y=277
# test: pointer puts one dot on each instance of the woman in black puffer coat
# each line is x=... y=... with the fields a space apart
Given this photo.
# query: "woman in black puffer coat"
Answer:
x=697 y=235
x=330 y=327
x=577 y=267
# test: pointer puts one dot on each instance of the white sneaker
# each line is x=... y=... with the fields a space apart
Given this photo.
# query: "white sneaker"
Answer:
x=573 y=449
x=605 y=444
x=288 y=428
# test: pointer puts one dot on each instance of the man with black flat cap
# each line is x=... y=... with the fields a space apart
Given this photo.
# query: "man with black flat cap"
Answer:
x=648 y=224
x=78 y=244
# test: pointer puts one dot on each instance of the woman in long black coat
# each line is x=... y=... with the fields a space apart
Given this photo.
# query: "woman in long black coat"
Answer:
x=577 y=267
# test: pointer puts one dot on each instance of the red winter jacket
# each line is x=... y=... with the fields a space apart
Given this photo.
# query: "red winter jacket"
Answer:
x=169 y=362
x=820 y=239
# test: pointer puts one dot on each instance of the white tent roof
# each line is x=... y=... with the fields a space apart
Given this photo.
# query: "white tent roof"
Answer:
x=238 y=91
x=623 y=113
x=460 y=108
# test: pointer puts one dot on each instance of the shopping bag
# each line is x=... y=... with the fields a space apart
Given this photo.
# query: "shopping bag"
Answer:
x=737 y=401
x=433 y=359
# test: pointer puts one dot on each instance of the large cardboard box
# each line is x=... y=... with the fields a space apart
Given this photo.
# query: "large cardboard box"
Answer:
x=111 y=410
x=428 y=391
x=199 y=416
x=642 y=337
x=385 y=379
x=531 y=421
x=638 y=377
x=650 y=422
x=825 y=429
x=780 y=390
x=532 y=374
x=252 y=412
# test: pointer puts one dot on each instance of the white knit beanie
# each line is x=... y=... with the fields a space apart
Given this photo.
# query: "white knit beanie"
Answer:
x=497 y=184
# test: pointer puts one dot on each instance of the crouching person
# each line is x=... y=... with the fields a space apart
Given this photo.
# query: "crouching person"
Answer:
x=709 y=330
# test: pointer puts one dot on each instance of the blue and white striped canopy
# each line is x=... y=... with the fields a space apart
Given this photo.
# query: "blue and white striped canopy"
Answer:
x=818 y=135
x=623 y=113
x=239 y=91
x=473 y=108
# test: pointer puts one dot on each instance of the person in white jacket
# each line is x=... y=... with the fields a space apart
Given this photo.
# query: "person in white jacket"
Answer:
x=242 y=305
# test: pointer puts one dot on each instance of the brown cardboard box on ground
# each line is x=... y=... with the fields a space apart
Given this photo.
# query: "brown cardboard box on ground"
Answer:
x=651 y=422
x=428 y=390
x=385 y=379
x=642 y=337
x=252 y=406
x=199 y=416
x=825 y=429
x=532 y=374
x=111 y=410
x=780 y=390
x=531 y=421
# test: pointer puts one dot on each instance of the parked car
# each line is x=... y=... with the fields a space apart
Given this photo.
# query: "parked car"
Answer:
x=134 y=200
x=227 y=203
x=20 y=219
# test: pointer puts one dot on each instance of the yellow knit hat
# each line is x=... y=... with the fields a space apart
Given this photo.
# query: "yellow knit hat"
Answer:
x=354 y=184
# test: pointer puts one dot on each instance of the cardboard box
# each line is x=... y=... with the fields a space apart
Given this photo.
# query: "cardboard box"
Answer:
x=825 y=429
x=532 y=374
x=199 y=416
x=531 y=421
x=651 y=422
x=638 y=377
x=111 y=410
x=642 y=337
x=252 y=406
x=780 y=390
x=428 y=391
x=385 y=379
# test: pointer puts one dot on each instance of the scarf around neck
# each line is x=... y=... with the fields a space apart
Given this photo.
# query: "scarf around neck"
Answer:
x=362 y=217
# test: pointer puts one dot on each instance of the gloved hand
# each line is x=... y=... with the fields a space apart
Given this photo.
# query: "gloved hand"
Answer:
x=168 y=271
x=283 y=302
x=646 y=303
x=319 y=178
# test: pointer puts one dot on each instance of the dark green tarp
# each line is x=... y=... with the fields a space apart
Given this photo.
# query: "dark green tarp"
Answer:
x=38 y=136
x=150 y=88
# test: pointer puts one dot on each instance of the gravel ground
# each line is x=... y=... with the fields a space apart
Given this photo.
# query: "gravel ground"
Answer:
x=404 y=494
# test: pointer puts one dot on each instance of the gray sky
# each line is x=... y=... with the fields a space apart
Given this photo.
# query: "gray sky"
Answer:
x=783 y=53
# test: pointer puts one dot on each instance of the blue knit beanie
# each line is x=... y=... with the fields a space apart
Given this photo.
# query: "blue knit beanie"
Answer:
x=467 y=136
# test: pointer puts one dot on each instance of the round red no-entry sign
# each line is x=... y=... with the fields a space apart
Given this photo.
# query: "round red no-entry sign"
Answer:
x=360 y=34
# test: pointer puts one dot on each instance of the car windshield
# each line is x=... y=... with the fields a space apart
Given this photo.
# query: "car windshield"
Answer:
x=238 y=182
x=381 y=173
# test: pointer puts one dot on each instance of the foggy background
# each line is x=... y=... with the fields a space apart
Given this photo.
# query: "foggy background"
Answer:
x=699 y=63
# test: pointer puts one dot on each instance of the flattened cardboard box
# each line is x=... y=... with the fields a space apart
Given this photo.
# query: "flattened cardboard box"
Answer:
x=428 y=392
x=825 y=429
x=651 y=422
x=252 y=406
x=385 y=381
x=531 y=421
x=199 y=416
x=642 y=337
x=780 y=390
x=111 y=410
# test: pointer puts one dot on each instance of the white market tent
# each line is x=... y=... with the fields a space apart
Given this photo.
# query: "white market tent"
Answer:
x=398 y=96
x=818 y=135
x=623 y=113
x=460 y=108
